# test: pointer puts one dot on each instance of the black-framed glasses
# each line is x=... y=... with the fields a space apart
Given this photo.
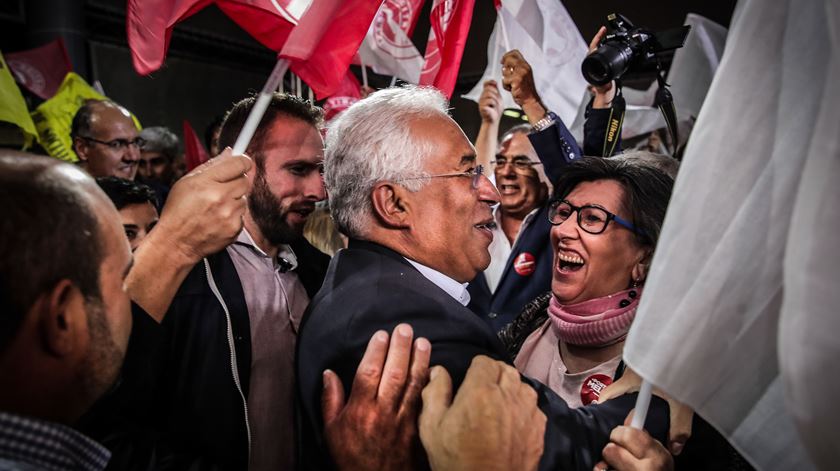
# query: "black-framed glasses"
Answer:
x=590 y=218
x=520 y=164
x=119 y=144
x=474 y=173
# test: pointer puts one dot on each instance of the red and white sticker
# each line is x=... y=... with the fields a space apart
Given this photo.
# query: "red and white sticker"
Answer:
x=592 y=387
x=524 y=264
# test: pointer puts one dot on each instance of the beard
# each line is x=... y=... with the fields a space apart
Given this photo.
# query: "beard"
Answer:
x=270 y=215
x=102 y=365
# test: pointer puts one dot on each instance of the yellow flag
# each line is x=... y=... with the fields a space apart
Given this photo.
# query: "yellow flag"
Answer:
x=54 y=116
x=13 y=106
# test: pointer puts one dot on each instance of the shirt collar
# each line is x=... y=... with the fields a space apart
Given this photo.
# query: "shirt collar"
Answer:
x=497 y=215
x=286 y=259
x=458 y=291
x=48 y=445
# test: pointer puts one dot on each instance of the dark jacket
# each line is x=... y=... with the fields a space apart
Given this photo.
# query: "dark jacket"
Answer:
x=369 y=287
x=193 y=371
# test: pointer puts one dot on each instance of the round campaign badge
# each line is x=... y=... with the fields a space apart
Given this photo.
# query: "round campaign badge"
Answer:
x=524 y=264
x=592 y=387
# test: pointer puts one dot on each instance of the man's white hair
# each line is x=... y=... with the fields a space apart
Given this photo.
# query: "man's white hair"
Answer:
x=372 y=141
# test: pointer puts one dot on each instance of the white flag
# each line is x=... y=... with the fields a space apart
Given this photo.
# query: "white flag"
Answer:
x=387 y=47
x=739 y=317
x=547 y=37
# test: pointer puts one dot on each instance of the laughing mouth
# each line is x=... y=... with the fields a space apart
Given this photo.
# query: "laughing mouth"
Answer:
x=569 y=263
x=506 y=189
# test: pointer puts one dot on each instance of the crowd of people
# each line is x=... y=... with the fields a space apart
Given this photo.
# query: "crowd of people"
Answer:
x=467 y=308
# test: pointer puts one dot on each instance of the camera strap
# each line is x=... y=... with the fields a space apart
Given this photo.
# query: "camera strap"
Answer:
x=665 y=102
x=614 y=123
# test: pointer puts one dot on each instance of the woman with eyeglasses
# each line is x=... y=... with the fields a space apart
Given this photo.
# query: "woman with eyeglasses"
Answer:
x=606 y=216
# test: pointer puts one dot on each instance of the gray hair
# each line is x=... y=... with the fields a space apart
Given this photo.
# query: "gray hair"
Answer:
x=372 y=141
x=161 y=139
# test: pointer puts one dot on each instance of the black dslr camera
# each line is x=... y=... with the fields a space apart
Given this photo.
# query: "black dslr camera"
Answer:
x=626 y=50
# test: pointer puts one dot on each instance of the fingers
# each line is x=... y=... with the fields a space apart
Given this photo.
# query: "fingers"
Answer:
x=510 y=382
x=437 y=396
x=637 y=442
x=512 y=58
x=396 y=367
x=369 y=371
x=680 y=431
x=482 y=370
x=619 y=458
x=602 y=31
x=629 y=382
x=418 y=374
x=332 y=397
x=225 y=167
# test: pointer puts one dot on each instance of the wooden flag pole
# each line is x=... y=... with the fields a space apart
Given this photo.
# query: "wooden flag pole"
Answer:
x=257 y=112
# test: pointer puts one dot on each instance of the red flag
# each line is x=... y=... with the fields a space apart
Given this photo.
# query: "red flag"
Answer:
x=450 y=21
x=41 y=70
x=325 y=40
x=150 y=23
x=349 y=92
x=194 y=152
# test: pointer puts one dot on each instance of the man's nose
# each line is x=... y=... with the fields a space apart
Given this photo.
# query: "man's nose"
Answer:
x=315 y=189
x=132 y=153
x=487 y=192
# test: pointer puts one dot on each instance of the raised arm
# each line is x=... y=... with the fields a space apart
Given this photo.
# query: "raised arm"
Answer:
x=490 y=109
x=202 y=215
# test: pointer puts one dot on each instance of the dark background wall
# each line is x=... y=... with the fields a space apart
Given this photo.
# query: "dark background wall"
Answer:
x=212 y=62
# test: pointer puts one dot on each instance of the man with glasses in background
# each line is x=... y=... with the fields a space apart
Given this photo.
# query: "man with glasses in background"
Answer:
x=106 y=140
x=520 y=255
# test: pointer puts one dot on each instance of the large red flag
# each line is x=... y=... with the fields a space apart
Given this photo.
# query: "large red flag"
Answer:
x=194 y=152
x=349 y=92
x=450 y=21
x=325 y=40
x=41 y=70
x=150 y=23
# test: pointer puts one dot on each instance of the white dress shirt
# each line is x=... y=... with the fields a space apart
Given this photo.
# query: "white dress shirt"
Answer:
x=458 y=291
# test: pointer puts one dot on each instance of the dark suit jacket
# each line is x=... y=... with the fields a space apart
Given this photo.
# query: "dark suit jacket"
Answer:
x=369 y=287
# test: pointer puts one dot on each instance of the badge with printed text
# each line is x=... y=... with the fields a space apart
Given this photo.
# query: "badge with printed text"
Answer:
x=592 y=386
x=524 y=264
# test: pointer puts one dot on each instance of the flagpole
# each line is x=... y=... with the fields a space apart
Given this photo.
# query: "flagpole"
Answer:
x=281 y=87
x=364 y=72
x=393 y=81
x=298 y=87
x=257 y=112
x=504 y=30
x=642 y=404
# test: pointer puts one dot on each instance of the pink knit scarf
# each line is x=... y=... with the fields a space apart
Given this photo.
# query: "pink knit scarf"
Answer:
x=595 y=323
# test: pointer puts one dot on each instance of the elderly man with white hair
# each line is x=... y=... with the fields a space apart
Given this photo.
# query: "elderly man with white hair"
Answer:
x=404 y=186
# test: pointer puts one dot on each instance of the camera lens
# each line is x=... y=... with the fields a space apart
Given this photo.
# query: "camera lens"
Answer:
x=607 y=63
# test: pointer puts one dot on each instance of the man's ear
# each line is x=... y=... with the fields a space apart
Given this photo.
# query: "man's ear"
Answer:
x=62 y=319
x=80 y=147
x=390 y=205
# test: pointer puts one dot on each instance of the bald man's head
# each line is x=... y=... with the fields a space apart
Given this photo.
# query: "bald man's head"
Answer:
x=48 y=232
x=106 y=140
